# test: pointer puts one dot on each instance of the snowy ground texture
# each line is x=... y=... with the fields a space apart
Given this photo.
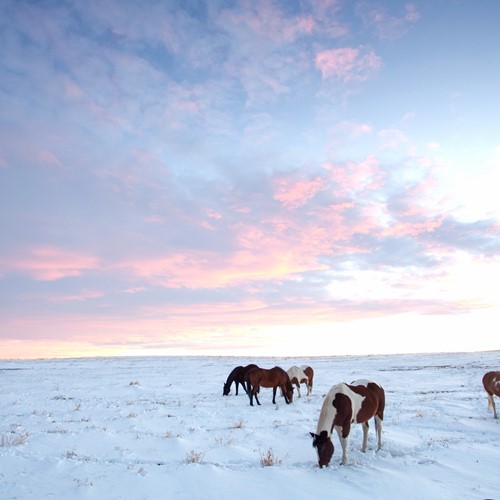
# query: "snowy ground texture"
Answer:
x=159 y=428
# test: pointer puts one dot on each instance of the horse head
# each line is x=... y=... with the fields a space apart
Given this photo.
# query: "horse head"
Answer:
x=324 y=447
x=226 y=389
x=289 y=392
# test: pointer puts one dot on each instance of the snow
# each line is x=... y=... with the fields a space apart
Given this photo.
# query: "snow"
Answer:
x=159 y=428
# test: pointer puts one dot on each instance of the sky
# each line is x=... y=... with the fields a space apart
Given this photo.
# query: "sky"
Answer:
x=249 y=177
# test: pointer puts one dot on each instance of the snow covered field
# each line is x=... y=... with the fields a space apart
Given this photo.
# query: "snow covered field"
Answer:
x=159 y=428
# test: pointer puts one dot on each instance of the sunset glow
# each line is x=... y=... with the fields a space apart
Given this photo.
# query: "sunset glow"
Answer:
x=249 y=178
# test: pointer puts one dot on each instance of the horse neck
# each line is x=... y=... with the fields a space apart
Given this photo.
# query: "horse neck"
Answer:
x=325 y=422
x=231 y=377
x=327 y=414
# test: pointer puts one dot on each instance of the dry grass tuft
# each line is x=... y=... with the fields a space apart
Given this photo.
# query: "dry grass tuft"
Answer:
x=238 y=425
x=194 y=458
x=269 y=459
x=16 y=438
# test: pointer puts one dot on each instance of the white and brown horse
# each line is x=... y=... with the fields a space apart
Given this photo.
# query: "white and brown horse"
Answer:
x=297 y=377
x=491 y=384
x=239 y=376
x=310 y=375
x=275 y=377
x=346 y=404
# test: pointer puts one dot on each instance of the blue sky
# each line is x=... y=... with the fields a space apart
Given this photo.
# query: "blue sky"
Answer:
x=227 y=177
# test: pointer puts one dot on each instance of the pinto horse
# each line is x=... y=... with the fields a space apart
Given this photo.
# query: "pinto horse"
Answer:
x=297 y=377
x=346 y=404
x=491 y=384
x=275 y=377
x=238 y=375
x=310 y=375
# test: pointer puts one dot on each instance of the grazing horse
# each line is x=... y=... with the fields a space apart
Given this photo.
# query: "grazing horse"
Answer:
x=310 y=375
x=297 y=377
x=275 y=377
x=491 y=383
x=346 y=404
x=238 y=375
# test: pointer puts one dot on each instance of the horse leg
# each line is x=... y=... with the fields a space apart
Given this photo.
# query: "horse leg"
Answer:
x=250 y=392
x=283 y=390
x=491 y=402
x=256 y=398
x=378 y=427
x=365 y=436
x=343 y=438
x=274 y=394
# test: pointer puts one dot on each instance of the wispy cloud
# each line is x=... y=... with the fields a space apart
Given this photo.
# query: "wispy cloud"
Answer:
x=48 y=263
x=386 y=25
x=348 y=64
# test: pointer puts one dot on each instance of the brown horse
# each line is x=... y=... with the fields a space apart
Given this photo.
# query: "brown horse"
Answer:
x=239 y=376
x=491 y=384
x=275 y=377
x=343 y=405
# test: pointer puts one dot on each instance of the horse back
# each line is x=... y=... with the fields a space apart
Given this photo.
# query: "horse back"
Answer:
x=308 y=371
x=373 y=402
x=267 y=378
x=297 y=375
x=491 y=383
x=247 y=368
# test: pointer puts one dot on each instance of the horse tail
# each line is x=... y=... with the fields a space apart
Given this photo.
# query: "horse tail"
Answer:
x=381 y=404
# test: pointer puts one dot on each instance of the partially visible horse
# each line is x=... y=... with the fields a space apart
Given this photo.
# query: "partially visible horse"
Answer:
x=346 y=404
x=310 y=375
x=297 y=377
x=275 y=377
x=239 y=376
x=491 y=384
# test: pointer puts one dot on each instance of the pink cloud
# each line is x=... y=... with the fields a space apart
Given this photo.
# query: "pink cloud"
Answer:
x=269 y=21
x=355 y=177
x=412 y=229
x=294 y=194
x=383 y=23
x=347 y=64
x=299 y=26
x=79 y=297
x=72 y=90
x=49 y=263
x=272 y=252
x=354 y=130
x=48 y=158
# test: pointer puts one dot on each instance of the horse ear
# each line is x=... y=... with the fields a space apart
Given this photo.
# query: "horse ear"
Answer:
x=313 y=435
